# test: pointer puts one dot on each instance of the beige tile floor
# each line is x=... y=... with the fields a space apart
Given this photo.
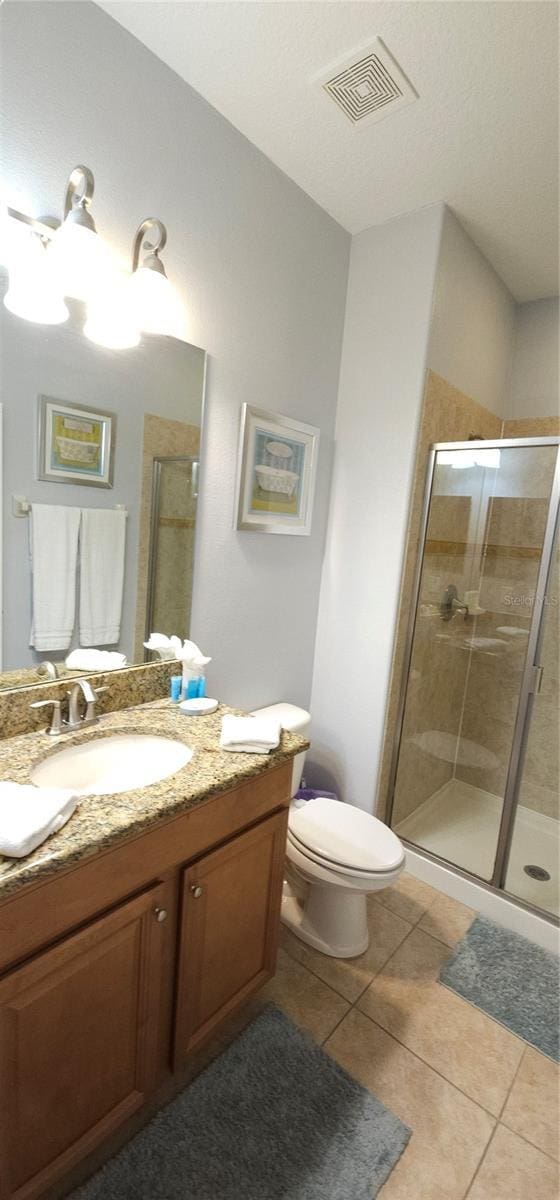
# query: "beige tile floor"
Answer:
x=482 y=1105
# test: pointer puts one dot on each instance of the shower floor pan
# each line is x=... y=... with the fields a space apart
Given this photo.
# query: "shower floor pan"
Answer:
x=460 y=823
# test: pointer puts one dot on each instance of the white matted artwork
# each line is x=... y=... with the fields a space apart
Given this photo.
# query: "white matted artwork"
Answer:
x=76 y=444
x=276 y=473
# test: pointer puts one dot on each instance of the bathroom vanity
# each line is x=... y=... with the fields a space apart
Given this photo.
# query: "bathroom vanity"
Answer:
x=129 y=936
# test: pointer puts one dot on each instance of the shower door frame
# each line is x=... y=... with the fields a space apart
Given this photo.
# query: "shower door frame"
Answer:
x=159 y=461
x=530 y=681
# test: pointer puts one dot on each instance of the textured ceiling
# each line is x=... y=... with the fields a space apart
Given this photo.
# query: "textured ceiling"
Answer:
x=483 y=135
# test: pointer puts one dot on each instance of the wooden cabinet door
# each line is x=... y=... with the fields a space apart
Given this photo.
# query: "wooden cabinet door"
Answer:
x=78 y=1043
x=230 y=921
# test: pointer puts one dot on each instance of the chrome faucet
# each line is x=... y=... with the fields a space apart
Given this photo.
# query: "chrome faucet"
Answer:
x=81 y=690
x=450 y=604
x=48 y=669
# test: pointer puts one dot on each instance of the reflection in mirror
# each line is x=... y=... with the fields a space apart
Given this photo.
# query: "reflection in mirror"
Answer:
x=100 y=579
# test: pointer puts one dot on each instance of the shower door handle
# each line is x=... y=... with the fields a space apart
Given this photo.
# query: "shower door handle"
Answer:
x=536 y=682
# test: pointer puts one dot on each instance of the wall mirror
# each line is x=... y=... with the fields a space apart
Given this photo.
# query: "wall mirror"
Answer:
x=88 y=428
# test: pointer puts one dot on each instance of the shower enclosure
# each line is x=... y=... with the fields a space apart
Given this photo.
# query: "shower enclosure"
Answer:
x=474 y=779
x=171 y=558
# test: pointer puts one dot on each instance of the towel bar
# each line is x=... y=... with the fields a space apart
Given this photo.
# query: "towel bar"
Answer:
x=21 y=506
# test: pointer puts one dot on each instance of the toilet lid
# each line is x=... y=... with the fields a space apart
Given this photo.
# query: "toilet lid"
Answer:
x=336 y=868
x=344 y=835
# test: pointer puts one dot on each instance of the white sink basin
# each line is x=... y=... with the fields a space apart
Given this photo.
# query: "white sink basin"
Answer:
x=112 y=764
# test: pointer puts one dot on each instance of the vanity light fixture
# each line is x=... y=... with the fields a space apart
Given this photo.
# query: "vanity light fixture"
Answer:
x=79 y=256
x=48 y=262
x=156 y=305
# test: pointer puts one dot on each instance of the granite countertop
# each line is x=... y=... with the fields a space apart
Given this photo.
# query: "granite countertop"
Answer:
x=101 y=822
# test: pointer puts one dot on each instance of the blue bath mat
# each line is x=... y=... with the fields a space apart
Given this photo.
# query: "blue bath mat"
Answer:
x=273 y=1118
x=511 y=979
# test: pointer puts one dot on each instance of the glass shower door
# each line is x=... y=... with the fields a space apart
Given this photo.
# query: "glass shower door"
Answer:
x=485 y=522
x=532 y=867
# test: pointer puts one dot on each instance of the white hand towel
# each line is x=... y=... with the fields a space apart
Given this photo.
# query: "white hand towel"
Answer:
x=29 y=814
x=102 y=540
x=53 y=534
x=89 y=659
x=250 y=735
x=165 y=647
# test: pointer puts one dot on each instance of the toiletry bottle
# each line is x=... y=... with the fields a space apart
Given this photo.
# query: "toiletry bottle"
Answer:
x=175 y=687
x=190 y=683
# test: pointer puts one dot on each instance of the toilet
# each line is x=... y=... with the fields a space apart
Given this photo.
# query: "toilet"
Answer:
x=336 y=855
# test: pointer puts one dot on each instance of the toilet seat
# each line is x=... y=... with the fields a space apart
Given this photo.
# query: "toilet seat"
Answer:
x=369 y=880
x=338 y=868
x=344 y=839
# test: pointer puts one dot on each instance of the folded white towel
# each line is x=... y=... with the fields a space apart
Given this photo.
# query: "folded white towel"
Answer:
x=53 y=534
x=102 y=538
x=89 y=659
x=29 y=814
x=250 y=735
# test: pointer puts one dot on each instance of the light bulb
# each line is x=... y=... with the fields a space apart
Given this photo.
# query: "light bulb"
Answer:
x=33 y=292
x=156 y=305
x=80 y=260
x=110 y=319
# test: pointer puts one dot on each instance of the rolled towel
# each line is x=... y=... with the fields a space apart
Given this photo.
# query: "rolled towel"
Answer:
x=30 y=814
x=250 y=735
x=89 y=659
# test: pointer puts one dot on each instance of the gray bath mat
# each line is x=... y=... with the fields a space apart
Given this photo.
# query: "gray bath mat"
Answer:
x=511 y=979
x=273 y=1118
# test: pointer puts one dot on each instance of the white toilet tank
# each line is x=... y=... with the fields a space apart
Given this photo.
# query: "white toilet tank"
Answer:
x=293 y=720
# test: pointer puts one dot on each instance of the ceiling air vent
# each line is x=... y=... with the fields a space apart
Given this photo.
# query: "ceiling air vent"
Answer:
x=369 y=85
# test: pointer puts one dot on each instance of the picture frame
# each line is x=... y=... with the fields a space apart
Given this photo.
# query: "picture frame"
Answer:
x=75 y=443
x=276 y=473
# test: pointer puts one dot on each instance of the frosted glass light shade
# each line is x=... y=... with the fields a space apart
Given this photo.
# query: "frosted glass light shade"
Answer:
x=156 y=305
x=110 y=318
x=33 y=292
x=80 y=260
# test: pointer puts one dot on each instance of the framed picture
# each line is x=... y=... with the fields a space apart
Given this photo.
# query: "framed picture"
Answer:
x=75 y=444
x=276 y=473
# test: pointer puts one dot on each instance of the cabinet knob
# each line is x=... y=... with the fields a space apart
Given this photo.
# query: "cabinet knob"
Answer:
x=160 y=914
x=196 y=890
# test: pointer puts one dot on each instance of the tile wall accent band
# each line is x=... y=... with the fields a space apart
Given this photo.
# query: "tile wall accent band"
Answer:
x=177 y=522
x=490 y=551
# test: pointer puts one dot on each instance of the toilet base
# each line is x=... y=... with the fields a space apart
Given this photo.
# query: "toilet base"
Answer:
x=329 y=919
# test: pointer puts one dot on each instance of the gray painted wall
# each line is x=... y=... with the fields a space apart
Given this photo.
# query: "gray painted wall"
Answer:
x=533 y=386
x=392 y=276
x=471 y=339
x=263 y=273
